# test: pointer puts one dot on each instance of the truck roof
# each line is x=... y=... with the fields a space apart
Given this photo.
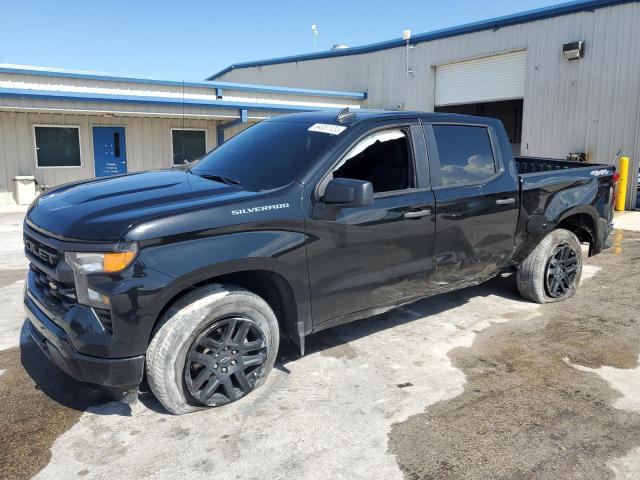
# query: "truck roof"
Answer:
x=362 y=115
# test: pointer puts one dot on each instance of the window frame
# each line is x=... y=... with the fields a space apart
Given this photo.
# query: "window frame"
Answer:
x=434 y=156
x=206 y=143
x=35 y=145
x=413 y=170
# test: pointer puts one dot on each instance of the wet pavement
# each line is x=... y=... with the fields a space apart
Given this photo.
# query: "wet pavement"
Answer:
x=526 y=410
x=39 y=403
x=473 y=384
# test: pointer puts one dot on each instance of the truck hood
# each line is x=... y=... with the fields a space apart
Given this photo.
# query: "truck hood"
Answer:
x=104 y=209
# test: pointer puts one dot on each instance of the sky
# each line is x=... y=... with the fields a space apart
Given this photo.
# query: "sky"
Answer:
x=191 y=40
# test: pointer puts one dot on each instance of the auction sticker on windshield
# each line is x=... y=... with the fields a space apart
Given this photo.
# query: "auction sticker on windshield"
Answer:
x=327 y=128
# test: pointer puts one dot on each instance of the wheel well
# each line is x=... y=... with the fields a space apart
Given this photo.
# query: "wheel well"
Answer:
x=269 y=285
x=581 y=225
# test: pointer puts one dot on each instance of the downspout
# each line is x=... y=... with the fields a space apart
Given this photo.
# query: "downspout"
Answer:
x=243 y=116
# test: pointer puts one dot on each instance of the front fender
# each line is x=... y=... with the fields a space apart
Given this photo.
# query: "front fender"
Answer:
x=195 y=261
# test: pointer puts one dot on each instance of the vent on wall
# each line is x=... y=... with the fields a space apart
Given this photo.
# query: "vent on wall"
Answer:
x=573 y=50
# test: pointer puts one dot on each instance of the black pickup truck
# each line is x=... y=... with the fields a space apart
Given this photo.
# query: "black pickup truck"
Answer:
x=191 y=276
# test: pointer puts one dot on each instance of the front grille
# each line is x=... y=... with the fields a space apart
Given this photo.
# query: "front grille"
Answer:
x=56 y=293
x=51 y=281
x=41 y=252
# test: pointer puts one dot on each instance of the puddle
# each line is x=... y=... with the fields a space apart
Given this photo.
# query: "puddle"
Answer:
x=616 y=239
x=39 y=403
x=627 y=382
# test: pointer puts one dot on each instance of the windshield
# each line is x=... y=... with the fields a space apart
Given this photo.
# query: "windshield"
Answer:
x=268 y=155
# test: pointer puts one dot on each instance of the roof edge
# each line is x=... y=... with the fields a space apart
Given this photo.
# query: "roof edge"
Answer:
x=492 y=23
x=87 y=75
x=138 y=99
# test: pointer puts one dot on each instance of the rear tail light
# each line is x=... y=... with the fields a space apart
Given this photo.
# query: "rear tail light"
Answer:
x=614 y=189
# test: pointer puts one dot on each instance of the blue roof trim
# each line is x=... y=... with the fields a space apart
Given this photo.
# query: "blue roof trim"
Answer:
x=55 y=72
x=137 y=99
x=493 y=23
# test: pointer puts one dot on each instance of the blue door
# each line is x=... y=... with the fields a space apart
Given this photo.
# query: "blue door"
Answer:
x=109 y=151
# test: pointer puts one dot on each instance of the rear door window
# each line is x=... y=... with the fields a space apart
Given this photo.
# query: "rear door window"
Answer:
x=465 y=154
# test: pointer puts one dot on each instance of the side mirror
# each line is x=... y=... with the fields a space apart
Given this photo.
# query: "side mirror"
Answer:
x=347 y=192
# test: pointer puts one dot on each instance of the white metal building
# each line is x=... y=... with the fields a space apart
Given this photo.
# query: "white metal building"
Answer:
x=59 y=126
x=563 y=79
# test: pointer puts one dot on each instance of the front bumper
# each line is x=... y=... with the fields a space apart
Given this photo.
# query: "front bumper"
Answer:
x=55 y=344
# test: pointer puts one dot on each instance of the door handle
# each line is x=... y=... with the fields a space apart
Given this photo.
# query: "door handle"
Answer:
x=506 y=201
x=425 y=212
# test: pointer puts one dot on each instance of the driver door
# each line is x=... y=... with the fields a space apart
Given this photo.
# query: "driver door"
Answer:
x=360 y=258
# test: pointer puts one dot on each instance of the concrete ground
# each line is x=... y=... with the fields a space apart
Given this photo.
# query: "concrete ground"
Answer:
x=477 y=384
x=629 y=220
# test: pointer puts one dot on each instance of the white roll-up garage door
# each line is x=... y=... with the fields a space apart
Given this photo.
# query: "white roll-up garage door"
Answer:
x=487 y=79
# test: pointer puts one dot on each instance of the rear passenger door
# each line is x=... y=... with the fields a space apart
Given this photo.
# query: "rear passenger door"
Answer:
x=474 y=232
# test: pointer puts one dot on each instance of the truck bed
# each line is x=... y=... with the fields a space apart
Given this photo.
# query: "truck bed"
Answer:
x=532 y=165
x=550 y=187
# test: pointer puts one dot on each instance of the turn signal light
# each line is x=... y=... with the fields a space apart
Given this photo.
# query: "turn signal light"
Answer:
x=114 y=262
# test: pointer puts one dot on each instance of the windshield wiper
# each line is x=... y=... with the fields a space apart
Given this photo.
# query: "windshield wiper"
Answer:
x=221 y=178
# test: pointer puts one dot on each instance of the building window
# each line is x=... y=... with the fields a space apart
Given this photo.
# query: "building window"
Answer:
x=381 y=158
x=57 y=146
x=188 y=145
x=465 y=153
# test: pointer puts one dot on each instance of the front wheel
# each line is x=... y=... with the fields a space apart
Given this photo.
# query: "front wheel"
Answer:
x=551 y=272
x=213 y=347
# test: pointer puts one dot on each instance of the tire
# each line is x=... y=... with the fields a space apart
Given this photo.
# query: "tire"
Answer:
x=537 y=279
x=195 y=329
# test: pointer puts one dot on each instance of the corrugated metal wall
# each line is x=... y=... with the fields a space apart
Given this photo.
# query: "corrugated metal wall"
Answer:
x=590 y=105
x=148 y=143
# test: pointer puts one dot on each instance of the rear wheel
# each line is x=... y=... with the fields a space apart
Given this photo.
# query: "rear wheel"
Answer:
x=213 y=347
x=551 y=272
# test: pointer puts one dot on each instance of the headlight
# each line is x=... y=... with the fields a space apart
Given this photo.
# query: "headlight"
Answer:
x=83 y=263
x=107 y=262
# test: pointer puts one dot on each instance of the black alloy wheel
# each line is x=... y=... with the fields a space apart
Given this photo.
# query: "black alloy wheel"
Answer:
x=561 y=271
x=225 y=361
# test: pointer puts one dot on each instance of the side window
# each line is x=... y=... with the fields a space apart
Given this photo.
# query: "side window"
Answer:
x=465 y=154
x=381 y=158
x=57 y=146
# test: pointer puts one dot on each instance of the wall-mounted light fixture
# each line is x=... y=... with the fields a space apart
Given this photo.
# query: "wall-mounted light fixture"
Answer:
x=573 y=50
x=406 y=36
